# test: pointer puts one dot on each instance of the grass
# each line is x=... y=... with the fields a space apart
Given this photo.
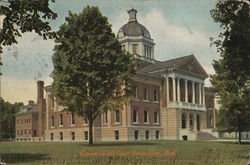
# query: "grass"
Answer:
x=127 y=153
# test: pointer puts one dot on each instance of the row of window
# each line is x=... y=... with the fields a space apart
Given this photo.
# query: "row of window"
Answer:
x=105 y=118
x=25 y=132
x=116 y=135
x=23 y=121
x=145 y=117
x=145 y=94
x=136 y=135
x=60 y=120
x=73 y=137
x=147 y=50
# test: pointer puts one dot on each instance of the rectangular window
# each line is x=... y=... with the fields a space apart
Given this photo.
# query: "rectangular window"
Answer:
x=145 y=94
x=52 y=101
x=72 y=135
x=60 y=119
x=25 y=131
x=61 y=136
x=156 y=118
x=135 y=92
x=29 y=131
x=147 y=134
x=86 y=135
x=85 y=119
x=105 y=118
x=145 y=116
x=51 y=136
x=134 y=46
x=135 y=116
x=17 y=132
x=116 y=135
x=136 y=134
x=155 y=95
x=72 y=119
x=52 y=121
x=117 y=116
x=21 y=132
x=157 y=134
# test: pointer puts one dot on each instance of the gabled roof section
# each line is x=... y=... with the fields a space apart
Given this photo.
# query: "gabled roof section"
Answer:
x=187 y=63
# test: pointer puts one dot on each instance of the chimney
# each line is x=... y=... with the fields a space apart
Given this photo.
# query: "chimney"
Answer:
x=31 y=102
x=40 y=85
x=41 y=108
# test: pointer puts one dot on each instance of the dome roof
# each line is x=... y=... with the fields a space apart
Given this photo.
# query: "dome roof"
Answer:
x=133 y=28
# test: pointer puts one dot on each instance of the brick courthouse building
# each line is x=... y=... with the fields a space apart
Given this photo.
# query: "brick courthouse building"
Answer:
x=169 y=100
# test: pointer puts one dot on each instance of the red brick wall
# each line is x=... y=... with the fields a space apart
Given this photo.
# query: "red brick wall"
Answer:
x=24 y=123
x=140 y=105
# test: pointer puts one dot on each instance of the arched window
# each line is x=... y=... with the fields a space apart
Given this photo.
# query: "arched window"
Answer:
x=183 y=121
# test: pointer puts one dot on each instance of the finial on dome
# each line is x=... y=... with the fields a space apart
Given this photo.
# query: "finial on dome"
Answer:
x=132 y=14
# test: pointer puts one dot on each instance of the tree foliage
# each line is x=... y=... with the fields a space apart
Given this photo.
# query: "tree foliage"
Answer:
x=91 y=72
x=7 y=118
x=22 y=16
x=232 y=71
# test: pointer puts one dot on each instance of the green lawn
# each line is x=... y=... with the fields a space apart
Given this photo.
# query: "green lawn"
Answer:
x=130 y=153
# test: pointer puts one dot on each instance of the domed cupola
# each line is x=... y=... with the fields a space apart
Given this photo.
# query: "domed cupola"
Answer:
x=133 y=28
x=136 y=39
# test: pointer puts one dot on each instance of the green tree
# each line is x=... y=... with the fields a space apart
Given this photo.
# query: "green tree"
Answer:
x=232 y=71
x=22 y=16
x=91 y=72
x=7 y=118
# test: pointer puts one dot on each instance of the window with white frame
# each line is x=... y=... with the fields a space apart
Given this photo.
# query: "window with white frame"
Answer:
x=117 y=136
x=105 y=117
x=52 y=121
x=85 y=119
x=51 y=136
x=61 y=136
x=145 y=94
x=117 y=116
x=86 y=135
x=156 y=117
x=135 y=115
x=157 y=134
x=145 y=116
x=136 y=134
x=135 y=92
x=52 y=101
x=147 y=134
x=134 y=47
x=72 y=135
x=60 y=120
x=72 y=119
x=155 y=96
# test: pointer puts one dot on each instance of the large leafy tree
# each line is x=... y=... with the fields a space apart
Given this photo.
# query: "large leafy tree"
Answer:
x=22 y=16
x=7 y=118
x=91 y=72
x=232 y=71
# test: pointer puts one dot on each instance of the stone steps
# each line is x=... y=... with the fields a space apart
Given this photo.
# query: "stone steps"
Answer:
x=205 y=136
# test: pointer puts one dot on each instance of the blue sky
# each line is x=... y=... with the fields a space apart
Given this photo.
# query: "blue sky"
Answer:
x=178 y=27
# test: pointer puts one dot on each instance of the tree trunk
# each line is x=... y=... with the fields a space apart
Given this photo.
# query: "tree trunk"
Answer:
x=90 y=132
x=240 y=137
